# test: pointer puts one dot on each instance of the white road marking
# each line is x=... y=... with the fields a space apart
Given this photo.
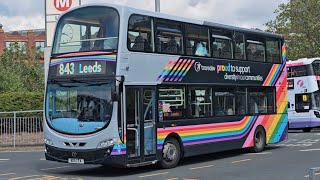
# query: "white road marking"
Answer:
x=316 y=174
x=201 y=167
x=150 y=175
x=42 y=159
x=24 y=177
x=262 y=153
x=172 y=179
x=308 y=150
x=7 y=174
x=244 y=160
x=46 y=169
x=4 y=159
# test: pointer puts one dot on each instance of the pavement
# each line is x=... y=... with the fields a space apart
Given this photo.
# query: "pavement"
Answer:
x=290 y=160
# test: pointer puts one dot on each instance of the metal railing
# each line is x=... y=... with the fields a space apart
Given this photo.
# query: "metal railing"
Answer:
x=21 y=128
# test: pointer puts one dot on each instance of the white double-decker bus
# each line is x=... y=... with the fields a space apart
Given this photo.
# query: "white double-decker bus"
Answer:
x=304 y=94
x=128 y=87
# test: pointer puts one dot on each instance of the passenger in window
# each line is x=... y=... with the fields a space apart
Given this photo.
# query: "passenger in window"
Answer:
x=201 y=50
x=253 y=106
x=189 y=48
x=138 y=44
x=226 y=51
x=230 y=111
x=85 y=46
x=172 y=46
x=147 y=46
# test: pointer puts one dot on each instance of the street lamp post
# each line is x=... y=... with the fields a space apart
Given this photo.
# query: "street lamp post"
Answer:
x=157 y=5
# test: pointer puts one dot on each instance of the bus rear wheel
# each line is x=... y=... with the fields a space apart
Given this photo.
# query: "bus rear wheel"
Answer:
x=306 y=129
x=259 y=140
x=171 y=154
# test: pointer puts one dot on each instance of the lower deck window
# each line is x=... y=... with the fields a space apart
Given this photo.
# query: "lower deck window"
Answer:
x=205 y=102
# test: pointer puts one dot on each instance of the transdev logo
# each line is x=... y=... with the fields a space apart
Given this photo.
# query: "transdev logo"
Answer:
x=199 y=67
x=300 y=83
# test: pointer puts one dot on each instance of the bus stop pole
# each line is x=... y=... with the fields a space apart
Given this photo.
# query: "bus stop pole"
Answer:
x=157 y=5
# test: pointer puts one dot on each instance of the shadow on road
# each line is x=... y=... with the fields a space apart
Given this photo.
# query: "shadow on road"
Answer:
x=104 y=172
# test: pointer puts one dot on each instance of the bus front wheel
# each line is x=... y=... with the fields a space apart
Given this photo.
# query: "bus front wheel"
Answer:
x=259 y=140
x=171 y=153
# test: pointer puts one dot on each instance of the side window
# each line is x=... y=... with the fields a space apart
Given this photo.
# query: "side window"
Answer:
x=255 y=48
x=225 y=102
x=303 y=102
x=241 y=101
x=169 y=38
x=200 y=101
x=172 y=104
x=222 y=44
x=197 y=40
x=273 y=50
x=140 y=34
x=239 y=50
x=297 y=71
x=261 y=100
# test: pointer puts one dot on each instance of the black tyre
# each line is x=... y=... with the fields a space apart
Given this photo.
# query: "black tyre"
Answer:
x=171 y=154
x=259 y=140
x=306 y=129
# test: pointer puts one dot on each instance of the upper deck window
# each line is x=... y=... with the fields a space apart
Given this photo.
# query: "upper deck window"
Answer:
x=140 y=34
x=197 y=40
x=255 y=48
x=87 y=29
x=273 y=50
x=222 y=46
x=169 y=37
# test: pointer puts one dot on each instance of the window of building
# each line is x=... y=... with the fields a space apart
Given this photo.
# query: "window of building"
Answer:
x=261 y=100
x=225 y=102
x=140 y=36
x=239 y=50
x=22 y=46
x=197 y=40
x=222 y=43
x=200 y=101
x=273 y=50
x=255 y=48
x=172 y=104
x=40 y=46
x=303 y=102
x=169 y=38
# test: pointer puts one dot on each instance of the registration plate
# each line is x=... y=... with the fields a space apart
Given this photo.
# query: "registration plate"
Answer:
x=75 y=161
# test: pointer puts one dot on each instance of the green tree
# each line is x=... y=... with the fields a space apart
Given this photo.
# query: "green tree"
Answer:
x=298 y=21
x=21 y=69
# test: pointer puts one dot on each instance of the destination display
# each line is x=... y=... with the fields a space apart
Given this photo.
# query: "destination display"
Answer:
x=81 y=68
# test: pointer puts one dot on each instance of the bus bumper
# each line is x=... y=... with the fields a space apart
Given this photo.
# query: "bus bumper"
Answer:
x=93 y=156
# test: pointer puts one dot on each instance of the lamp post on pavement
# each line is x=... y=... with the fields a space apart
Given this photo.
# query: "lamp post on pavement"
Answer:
x=157 y=5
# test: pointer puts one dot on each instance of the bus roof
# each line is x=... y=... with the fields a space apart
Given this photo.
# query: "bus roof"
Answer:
x=301 y=62
x=182 y=19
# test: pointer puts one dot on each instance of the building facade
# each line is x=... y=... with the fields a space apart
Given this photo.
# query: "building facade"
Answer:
x=24 y=38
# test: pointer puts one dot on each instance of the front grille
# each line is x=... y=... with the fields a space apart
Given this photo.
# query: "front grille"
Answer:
x=89 y=155
x=74 y=144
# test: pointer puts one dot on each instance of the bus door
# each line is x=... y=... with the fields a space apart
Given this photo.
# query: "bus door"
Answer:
x=141 y=130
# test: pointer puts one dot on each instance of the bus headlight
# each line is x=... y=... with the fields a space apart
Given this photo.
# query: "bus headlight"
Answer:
x=48 y=141
x=107 y=143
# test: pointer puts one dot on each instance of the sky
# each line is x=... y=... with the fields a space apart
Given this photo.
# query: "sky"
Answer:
x=29 y=14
